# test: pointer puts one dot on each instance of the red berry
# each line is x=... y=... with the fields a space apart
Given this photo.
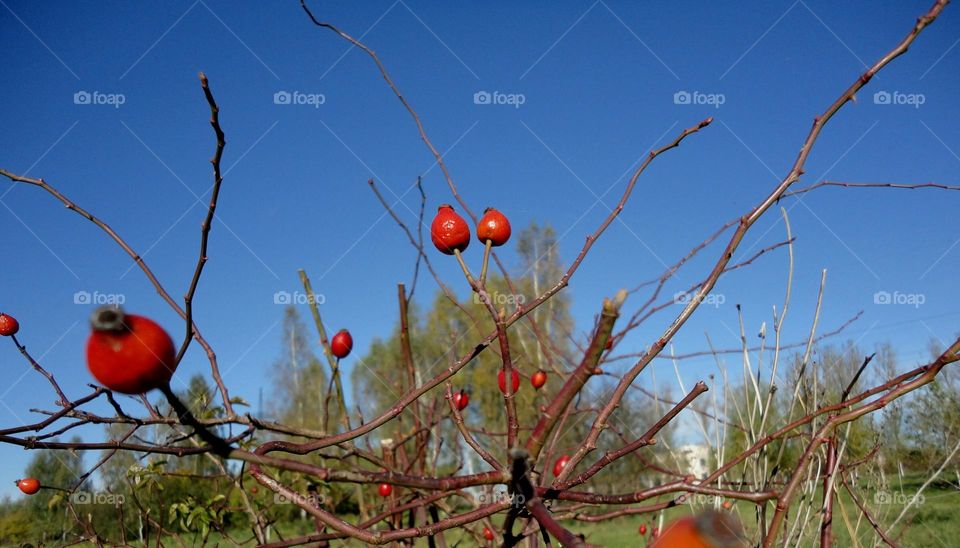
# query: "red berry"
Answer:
x=341 y=344
x=385 y=489
x=487 y=533
x=127 y=353
x=643 y=528
x=727 y=505
x=560 y=465
x=514 y=378
x=460 y=400
x=449 y=231
x=493 y=226
x=538 y=379
x=655 y=532
x=28 y=485
x=8 y=325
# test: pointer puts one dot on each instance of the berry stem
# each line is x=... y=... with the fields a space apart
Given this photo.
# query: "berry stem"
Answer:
x=486 y=259
x=463 y=265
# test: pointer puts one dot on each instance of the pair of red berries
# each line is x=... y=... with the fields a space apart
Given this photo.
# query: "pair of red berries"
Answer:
x=461 y=398
x=8 y=325
x=451 y=233
x=28 y=485
x=537 y=380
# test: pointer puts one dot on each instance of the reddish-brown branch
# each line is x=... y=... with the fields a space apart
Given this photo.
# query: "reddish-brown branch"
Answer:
x=398 y=509
x=205 y=235
x=646 y=439
x=579 y=377
x=901 y=186
x=467 y=436
x=866 y=513
x=63 y=400
x=757 y=497
x=826 y=518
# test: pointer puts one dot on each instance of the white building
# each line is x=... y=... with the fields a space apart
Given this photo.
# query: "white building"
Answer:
x=694 y=459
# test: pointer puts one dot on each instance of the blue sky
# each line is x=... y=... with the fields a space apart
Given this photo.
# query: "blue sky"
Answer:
x=601 y=83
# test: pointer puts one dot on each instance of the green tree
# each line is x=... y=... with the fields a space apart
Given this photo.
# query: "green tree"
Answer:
x=300 y=379
x=932 y=419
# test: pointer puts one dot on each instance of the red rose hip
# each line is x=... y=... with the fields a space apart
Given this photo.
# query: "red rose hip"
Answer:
x=8 y=325
x=560 y=465
x=449 y=231
x=28 y=485
x=514 y=381
x=487 y=533
x=538 y=379
x=385 y=489
x=127 y=353
x=460 y=400
x=341 y=344
x=493 y=226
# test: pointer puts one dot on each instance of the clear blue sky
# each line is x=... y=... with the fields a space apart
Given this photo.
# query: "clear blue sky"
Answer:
x=598 y=82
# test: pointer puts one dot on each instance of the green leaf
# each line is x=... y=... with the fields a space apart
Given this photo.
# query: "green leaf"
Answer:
x=54 y=500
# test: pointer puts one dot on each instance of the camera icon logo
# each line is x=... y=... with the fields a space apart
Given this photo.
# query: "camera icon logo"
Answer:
x=282 y=297
x=81 y=297
x=681 y=98
x=482 y=98
x=681 y=297
x=882 y=497
x=81 y=98
x=882 y=297
x=881 y=98
x=281 y=98
x=81 y=497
